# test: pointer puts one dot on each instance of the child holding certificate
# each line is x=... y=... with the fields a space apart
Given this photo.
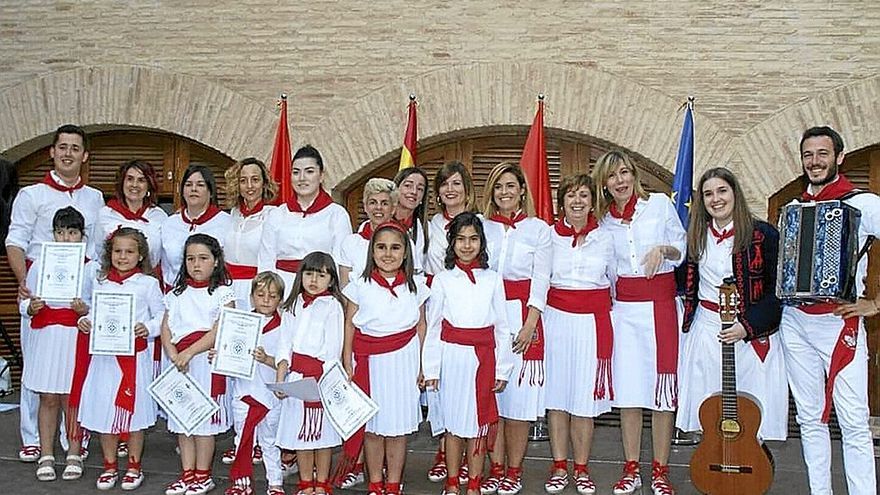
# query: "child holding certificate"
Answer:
x=311 y=336
x=192 y=308
x=467 y=352
x=384 y=331
x=52 y=350
x=255 y=409
x=125 y=268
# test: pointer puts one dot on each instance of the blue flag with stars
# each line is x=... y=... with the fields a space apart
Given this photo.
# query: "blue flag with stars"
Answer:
x=683 y=181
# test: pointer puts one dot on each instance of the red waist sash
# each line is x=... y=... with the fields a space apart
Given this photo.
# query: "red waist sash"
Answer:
x=218 y=382
x=241 y=272
x=290 y=266
x=533 y=358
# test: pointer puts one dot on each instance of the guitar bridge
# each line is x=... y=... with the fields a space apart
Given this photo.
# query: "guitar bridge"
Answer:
x=729 y=469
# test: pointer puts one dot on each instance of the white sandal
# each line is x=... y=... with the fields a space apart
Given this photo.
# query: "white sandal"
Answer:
x=46 y=468
x=74 y=468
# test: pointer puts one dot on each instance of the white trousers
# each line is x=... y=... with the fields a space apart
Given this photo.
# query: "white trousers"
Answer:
x=265 y=435
x=808 y=342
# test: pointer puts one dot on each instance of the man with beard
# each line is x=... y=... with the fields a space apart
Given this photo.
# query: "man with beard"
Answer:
x=829 y=339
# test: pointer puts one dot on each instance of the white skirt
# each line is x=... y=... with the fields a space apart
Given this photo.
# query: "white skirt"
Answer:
x=523 y=397
x=394 y=387
x=97 y=409
x=50 y=359
x=200 y=371
x=699 y=376
x=458 y=389
x=634 y=361
x=570 y=361
x=290 y=423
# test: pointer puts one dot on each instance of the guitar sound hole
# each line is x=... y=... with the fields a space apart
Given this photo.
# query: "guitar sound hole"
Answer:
x=730 y=428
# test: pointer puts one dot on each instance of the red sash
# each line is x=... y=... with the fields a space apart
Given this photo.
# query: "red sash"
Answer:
x=598 y=303
x=483 y=341
x=660 y=291
x=218 y=382
x=127 y=390
x=240 y=272
x=289 y=266
x=533 y=358
x=80 y=371
x=844 y=350
x=313 y=412
x=54 y=316
x=243 y=466
x=761 y=345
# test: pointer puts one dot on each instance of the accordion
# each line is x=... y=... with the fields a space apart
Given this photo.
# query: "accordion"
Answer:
x=818 y=252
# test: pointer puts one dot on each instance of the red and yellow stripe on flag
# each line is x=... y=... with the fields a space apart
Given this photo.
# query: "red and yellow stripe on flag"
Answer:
x=408 y=152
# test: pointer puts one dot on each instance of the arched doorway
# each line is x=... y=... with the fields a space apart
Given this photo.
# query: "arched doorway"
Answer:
x=169 y=154
x=862 y=168
x=481 y=149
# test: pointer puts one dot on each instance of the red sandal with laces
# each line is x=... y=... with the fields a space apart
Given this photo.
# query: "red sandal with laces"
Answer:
x=511 y=484
x=438 y=471
x=304 y=487
x=557 y=481
x=630 y=481
x=377 y=488
x=490 y=484
x=660 y=484
x=582 y=481
x=475 y=484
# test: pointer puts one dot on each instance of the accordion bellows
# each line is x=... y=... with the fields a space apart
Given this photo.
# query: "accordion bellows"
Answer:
x=818 y=252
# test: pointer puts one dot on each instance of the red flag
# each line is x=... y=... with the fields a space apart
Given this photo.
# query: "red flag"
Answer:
x=534 y=164
x=280 y=166
x=408 y=152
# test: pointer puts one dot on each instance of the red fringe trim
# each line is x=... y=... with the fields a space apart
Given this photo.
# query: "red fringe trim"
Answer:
x=666 y=390
x=535 y=369
x=312 y=424
x=121 y=421
x=486 y=435
x=603 y=380
x=215 y=419
x=74 y=430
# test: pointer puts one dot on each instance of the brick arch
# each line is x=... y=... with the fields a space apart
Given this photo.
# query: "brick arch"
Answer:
x=128 y=95
x=481 y=95
x=773 y=144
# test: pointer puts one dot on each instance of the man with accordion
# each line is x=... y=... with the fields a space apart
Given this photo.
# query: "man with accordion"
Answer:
x=822 y=325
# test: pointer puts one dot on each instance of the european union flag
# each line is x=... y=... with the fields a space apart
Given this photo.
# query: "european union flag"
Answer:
x=683 y=181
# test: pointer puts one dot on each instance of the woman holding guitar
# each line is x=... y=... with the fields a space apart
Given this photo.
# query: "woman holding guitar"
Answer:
x=724 y=240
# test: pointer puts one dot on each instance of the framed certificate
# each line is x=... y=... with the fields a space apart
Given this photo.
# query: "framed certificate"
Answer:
x=112 y=324
x=238 y=334
x=347 y=406
x=60 y=272
x=183 y=399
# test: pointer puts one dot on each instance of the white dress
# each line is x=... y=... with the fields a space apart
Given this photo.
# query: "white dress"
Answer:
x=700 y=363
x=289 y=235
x=353 y=252
x=522 y=254
x=175 y=232
x=315 y=331
x=96 y=411
x=195 y=310
x=393 y=375
x=654 y=223
x=571 y=359
x=52 y=349
x=109 y=220
x=465 y=305
x=241 y=248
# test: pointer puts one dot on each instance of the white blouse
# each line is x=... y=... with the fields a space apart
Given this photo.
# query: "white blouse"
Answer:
x=175 y=232
x=195 y=310
x=434 y=261
x=316 y=331
x=716 y=264
x=242 y=244
x=109 y=220
x=375 y=316
x=289 y=235
x=522 y=253
x=590 y=265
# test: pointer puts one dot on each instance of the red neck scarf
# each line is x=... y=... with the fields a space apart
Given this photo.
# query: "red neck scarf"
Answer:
x=114 y=276
x=468 y=269
x=406 y=223
x=367 y=231
x=720 y=236
x=565 y=230
x=196 y=284
x=137 y=216
x=448 y=219
x=510 y=221
x=308 y=299
x=322 y=200
x=273 y=323
x=245 y=212
x=832 y=190
x=628 y=210
x=399 y=279
x=210 y=213
x=51 y=182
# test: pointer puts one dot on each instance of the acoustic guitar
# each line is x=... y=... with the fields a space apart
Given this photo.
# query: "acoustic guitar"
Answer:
x=730 y=460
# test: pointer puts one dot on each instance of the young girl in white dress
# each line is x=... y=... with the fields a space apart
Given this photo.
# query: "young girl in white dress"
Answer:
x=467 y=349
x=382 y=353
x=192 y=308
x=255 y=409
x=53 y=345
x=311 y=339
x=125 y=267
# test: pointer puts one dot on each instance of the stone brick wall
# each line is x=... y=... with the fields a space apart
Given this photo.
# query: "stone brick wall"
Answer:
x=762 y=71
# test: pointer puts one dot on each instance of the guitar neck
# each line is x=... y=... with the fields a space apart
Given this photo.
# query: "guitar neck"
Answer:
x=728 y=378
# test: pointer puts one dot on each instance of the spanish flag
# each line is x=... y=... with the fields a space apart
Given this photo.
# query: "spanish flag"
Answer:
x=280 y=166
x=534 y=165
x=408 y=152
